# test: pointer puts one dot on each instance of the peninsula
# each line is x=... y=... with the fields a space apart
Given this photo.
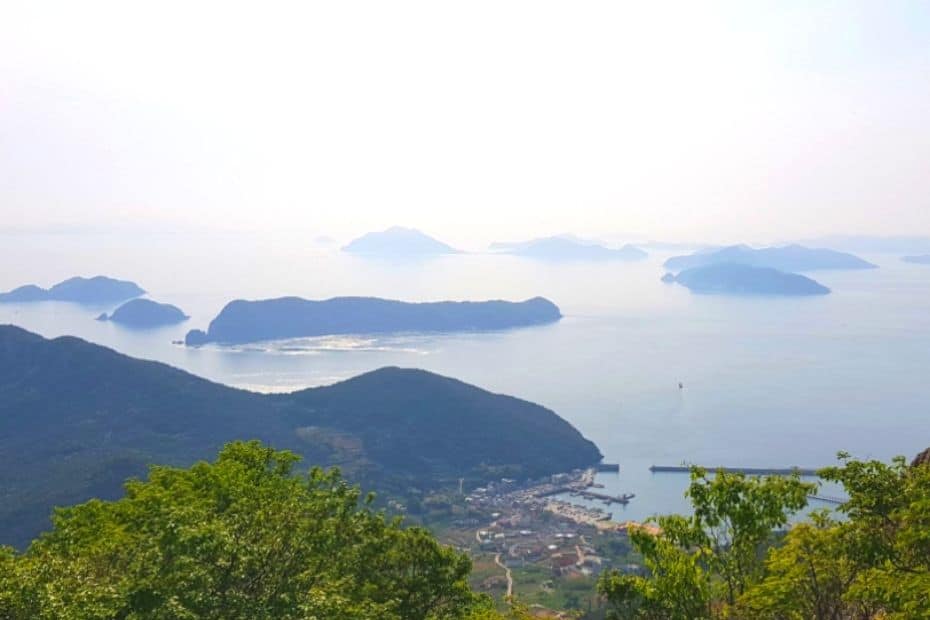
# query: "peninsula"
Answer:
x=77 y=419
x=292 y=317
x=788 y=258
x=144 y=313
x=398 y=242
x=737 y=279
x=96 y=290
x=567 y=248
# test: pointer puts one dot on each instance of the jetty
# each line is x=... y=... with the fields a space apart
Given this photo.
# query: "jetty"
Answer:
x=608 y=499
x=749 y=471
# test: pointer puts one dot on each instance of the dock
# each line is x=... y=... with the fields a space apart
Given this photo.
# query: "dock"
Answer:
x=608 y=499
x=749 y=471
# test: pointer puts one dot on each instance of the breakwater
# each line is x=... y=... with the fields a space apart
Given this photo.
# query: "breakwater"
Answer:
x=608 y=499
x=749 y=471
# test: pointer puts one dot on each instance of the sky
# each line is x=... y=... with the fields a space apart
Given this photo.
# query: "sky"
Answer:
x=473 y=121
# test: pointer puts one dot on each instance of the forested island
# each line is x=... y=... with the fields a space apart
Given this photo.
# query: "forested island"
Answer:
x=145 y=313
x=737 y=279
x=789 y=258
x=292 y=317
x=96 y=290
x=76 y=419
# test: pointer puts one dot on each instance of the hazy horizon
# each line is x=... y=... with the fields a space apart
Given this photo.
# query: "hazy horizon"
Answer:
x=719 y=123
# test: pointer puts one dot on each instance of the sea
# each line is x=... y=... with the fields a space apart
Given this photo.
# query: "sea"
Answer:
x=765 y=382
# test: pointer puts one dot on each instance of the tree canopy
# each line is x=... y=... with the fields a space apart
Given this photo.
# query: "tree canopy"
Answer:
x=244 y=537
x=728 y=560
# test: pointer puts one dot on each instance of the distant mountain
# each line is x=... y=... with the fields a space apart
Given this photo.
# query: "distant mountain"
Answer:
x=922 y=259
x=76 y=419
x=292 y=317
x=567 y=248
x=787 y=258
x=142 y=313
x=96 y=290
x=870 y=244
x=399 y=242
x=738 y=279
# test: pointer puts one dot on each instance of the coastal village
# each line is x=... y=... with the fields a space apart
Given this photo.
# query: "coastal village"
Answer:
x=533 y=541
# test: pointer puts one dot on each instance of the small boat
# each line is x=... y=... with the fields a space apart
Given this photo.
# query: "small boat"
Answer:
x=681 y=385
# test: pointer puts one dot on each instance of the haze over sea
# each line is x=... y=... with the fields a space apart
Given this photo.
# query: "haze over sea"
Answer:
x=768 y=382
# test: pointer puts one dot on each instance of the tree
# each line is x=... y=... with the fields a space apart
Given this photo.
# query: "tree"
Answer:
x=887 y=534
x=700 y=565
x=806 y=577
x=873 y=564
x=240 y=538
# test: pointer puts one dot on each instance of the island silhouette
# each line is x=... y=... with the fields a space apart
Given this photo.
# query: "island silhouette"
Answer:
x=737 y=279
x=144 y=313
x=95 y=290
x=564 y=247
x=398 y=242
x=293 y=317
x=788 y=258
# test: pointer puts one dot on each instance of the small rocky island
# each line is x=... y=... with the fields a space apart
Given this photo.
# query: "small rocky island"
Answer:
x=737 y=279
x=144 y=313
x=292 y=317
x=568 y=248
x=921 y=259
x=96 y=290
x=788 y=258
x=398 y=242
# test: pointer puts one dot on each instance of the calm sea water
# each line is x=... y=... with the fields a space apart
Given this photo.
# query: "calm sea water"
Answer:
x=767 y=382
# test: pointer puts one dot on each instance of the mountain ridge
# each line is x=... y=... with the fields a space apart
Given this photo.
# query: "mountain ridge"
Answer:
x=76 y=419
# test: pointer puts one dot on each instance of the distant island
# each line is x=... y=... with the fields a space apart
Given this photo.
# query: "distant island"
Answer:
x=292 y=317
x=398 y=242
x=921 y=259
x=870 y=244
x=142 y=313
x=788 y=258
x=567 y=248
x=77 y=419
x=737 y=279
x=96 y=290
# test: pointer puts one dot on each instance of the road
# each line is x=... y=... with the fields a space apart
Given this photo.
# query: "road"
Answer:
x=497 y=560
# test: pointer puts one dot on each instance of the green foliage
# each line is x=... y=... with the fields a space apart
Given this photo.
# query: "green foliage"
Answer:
x=704 y=562
x=806 y=577
x=241 y=538
x=887 y=535
x=875 y=563
x=723 y=562
x=678 y=587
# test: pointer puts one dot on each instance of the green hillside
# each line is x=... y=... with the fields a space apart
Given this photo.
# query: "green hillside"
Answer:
x=76 y=419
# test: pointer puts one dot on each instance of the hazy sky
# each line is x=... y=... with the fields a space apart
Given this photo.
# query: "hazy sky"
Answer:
x=474 y=120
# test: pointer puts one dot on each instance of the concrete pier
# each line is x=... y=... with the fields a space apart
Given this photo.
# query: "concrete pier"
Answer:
x=749 y=471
